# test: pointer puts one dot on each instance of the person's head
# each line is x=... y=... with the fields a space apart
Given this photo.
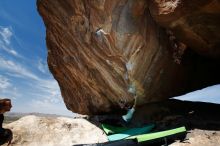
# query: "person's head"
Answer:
x=5 y=105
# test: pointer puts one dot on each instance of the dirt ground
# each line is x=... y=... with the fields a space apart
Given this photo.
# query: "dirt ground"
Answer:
x=199 y=137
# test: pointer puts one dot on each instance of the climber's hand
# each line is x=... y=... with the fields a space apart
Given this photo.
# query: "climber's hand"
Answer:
x=135 y=102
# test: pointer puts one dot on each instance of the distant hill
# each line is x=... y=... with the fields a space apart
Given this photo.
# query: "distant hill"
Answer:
x=13 y=116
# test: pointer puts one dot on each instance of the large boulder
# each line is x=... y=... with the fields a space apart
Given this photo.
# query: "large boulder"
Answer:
x=54 y=131
x=103 y=53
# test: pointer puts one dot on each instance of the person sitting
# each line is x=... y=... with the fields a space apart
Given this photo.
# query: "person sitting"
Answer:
x=6 y=135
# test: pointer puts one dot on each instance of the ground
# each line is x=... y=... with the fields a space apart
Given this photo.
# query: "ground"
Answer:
x=201 y=120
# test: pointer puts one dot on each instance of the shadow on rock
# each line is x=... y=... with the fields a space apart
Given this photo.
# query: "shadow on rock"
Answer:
x=173 y=113
x=167 y=115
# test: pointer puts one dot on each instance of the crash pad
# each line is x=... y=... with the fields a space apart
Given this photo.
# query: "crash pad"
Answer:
x=131 y=132
x=156 y=135
x=109 y=129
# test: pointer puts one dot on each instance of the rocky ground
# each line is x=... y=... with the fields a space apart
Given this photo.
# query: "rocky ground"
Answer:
x=41 y=131
x=202 y=121
x=199 y=137
x=60 y=131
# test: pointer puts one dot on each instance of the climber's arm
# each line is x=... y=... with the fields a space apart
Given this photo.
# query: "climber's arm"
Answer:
x=135 y=102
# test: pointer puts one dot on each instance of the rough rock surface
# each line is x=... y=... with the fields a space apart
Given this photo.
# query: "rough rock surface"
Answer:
x=103 y=53
x=198 y=137
x=42 y=131
x=194 y=22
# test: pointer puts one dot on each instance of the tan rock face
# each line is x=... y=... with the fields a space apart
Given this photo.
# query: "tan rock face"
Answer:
x=103 y=53
x=54 y=131
x=194 y=22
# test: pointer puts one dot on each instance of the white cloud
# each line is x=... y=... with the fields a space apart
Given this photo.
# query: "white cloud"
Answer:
x=6 y=34
x=46 y=107
x=5 y=40
x=42 y=66
x=9 y=50
x=17 y=69
x=45 y=93
x=44 y=89
x=4 y=83
x=7 y=89
x=47 y=98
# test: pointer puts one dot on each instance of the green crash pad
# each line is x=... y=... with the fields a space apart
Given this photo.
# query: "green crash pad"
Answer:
x=131 y=132
x=109 y=129
x=156 y=135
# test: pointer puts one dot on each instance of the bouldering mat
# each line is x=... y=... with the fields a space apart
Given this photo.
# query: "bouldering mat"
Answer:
x=131 y=132
x=109 y=129
x=156 y=135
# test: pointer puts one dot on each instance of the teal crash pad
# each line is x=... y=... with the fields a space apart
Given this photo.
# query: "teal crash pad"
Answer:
x=109 y=129
x=156 y=135
x=131 y=132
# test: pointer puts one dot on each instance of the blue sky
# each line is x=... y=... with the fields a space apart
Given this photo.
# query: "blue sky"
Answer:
x=24 y=74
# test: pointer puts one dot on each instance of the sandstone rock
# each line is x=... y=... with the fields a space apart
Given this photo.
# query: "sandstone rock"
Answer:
x=103 y=53
x=194 y=22
x=43 y=131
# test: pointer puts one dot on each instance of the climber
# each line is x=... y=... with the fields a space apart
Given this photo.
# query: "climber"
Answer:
x=5 y=134
x=120 y=120
x=130 y=112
